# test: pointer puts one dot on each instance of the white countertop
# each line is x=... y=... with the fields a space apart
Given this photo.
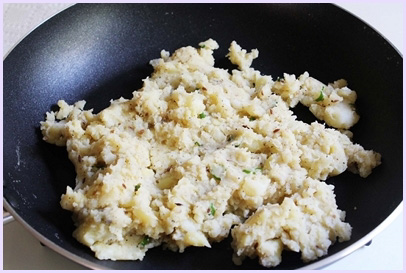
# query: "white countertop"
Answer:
x=22 y=251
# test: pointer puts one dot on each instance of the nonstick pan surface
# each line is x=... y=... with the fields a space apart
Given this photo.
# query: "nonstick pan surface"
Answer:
x=99 y=52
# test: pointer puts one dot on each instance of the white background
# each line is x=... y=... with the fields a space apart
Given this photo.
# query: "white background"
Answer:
x=22 y=251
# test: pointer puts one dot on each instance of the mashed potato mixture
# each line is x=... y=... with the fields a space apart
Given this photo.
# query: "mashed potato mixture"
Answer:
x=198 y=153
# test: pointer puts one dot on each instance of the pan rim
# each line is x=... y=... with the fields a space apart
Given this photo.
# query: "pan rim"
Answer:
x=398 y=50
x=334 y=4
x=315 y=265
x=34 y=28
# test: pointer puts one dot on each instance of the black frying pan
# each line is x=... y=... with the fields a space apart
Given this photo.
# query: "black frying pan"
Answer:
x=101 y=52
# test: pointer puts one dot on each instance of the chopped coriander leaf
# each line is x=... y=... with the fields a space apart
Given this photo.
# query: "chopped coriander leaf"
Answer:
x=258 y=169
x=246 y=171
x=198 y=144
x=137 y=187
x=252 y=118
x=215 y=177
x=146 y=240
x=212 y=209
x=321 y=96
x=202 y=115
x=202 y=46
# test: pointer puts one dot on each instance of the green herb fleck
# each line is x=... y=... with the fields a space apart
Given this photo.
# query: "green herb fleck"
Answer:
x=246 y=171
x=258 y=169
x=321 y=97
x=136 y=188
x=202 y=115
x=215 y=177
x=146 y=240
x=212 y=209
x=278 y=79
x=202 y=46
x=198 y=144
x=252 y=118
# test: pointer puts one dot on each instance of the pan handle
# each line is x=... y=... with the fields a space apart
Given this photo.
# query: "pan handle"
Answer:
x=7 y=217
